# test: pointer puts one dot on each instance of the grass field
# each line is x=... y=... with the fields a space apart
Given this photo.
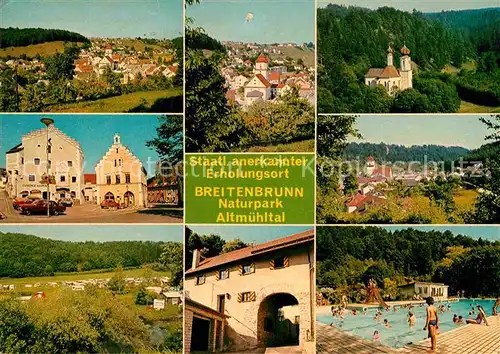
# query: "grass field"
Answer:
x=298 y=146
x=306 y=55
x=127 y=273
x=117 y=104
x=44 y=49
x=467 y=107
x=450 y=69
x=465 y=197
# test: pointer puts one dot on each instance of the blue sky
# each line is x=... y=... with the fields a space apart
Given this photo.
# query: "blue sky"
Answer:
x=93 y=132
x=100 y=233
x=449 y=130
x=274 y=21
x=491 y=233
x=421 y=5
x=248 y=234
x=98 y=18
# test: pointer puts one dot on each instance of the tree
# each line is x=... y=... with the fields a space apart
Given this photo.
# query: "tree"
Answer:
x=488 y=202
x=212 y=123
x=59 y=66
x=350 y=184
x=143 y=298
x=233 y=245
x=117 y=282
x=169 y=141
x=172 y=257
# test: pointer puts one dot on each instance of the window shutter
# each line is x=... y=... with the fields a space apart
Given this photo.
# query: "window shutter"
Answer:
x=286 y=262
x=240 y=297
x=217 y=275
x=252 y=268
x=240 y=269
x=271 y=264
x=253 y=297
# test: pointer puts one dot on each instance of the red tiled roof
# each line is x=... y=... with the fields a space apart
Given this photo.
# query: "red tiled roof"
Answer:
x=362 y=180
x=90 y=178
x=274 y=76
x=231 y=95
x=385 y=171
x=359 y=200
x=374 y=72
x=303 y=237
x=108 y=46
x=173 y=68
x=108 y=58
x=389 y=71
x=262 y=59
x=263 y=80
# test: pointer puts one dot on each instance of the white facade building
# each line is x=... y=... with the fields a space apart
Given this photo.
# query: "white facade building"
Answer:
x=27 y=163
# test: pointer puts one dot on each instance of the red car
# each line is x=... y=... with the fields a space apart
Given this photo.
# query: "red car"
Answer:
x=19 y=202
x=40 y=207
x=109 y=203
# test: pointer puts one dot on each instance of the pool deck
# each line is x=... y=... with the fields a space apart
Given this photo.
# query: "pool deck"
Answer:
x=467 y=339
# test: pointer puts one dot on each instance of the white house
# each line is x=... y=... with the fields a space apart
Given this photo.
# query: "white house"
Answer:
x=27 y=162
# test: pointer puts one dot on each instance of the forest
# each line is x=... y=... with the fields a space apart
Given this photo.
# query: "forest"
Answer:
x=352 y=39
x=457 y=185
x=26 y=255
x=393 y=153
x=347 y=257
x=21 y=37
x=214 y=124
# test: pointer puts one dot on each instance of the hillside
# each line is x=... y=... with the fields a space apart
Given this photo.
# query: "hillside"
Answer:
x=20 y=37
x=26 y=255
x=33 y=50
x=392 y=153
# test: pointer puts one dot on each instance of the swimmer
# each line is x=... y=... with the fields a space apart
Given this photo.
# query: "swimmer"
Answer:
x=376 y=336
x=411 y=319
x=386 y=324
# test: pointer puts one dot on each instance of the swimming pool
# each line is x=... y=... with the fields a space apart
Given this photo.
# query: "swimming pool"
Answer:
x=401 y=333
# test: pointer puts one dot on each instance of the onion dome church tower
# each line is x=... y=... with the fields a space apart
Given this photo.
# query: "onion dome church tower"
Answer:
x=405 y=69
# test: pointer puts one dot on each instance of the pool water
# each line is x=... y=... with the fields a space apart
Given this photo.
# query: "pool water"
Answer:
x=401 y=333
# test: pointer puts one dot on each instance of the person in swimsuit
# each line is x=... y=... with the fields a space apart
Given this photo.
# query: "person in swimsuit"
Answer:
x=495 y=306
x=431 y=322
x=481 y=317
x=411 y=319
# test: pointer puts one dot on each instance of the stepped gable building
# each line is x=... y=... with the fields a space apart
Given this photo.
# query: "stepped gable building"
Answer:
x=246 y=299
x=27 y=164
x=390 y=77
x=121 y=177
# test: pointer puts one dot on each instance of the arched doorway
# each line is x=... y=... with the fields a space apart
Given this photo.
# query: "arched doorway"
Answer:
x=24 y=194
x=128 y=199
x=278 y=321
x=109 y=196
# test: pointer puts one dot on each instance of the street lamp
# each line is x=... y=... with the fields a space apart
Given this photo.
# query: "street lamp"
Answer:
x=47 y=122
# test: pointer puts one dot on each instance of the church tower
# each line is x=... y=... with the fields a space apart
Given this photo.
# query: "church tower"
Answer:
x=405 y=69
x=370 y=165
x=262 y=66
x=390 y=57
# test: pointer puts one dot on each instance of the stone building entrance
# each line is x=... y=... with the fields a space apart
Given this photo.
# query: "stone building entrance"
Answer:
x=278 y=321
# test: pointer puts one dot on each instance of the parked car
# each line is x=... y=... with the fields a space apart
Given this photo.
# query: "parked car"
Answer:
x=18 y=202
x=67 y=202
x=109 y=203
x=40 y=207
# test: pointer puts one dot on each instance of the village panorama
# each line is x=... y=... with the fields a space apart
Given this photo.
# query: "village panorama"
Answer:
x=61 y=71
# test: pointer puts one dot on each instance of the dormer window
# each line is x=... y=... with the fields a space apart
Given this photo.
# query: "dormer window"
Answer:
x=223 y=274
x=200 y=279
x=248 y=268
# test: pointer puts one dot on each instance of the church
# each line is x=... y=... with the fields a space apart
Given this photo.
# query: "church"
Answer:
x=390 y=77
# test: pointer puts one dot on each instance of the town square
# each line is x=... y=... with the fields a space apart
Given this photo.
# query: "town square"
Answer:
x=81 y=182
